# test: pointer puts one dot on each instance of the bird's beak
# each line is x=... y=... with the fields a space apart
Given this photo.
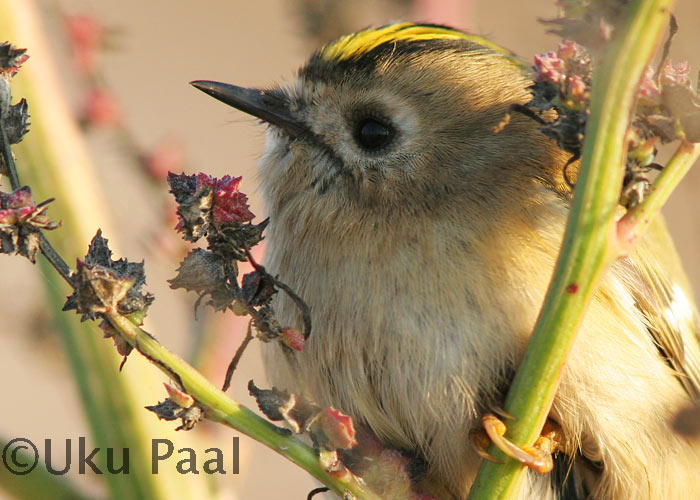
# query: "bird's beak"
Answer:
x=259 y=103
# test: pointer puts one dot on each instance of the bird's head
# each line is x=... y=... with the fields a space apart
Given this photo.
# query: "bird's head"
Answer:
x=396 y=119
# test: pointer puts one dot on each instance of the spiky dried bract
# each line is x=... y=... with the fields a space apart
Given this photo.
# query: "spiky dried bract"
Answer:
x=170 y=410
x=232 y=240
x=11 y=58
x=16 y=121
x=208 y=204
x=105 y=285
x=194 y=205
x=21 y=221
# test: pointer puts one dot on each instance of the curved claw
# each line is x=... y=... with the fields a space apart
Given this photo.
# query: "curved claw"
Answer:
x=537 y=457
x=481 y=442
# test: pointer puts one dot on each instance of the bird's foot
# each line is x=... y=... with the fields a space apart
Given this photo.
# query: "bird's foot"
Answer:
x=537 y=457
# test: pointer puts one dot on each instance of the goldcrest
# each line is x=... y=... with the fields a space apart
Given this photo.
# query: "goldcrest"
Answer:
x=424 y=243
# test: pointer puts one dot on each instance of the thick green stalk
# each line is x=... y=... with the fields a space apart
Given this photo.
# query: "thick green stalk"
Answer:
x=589 y=246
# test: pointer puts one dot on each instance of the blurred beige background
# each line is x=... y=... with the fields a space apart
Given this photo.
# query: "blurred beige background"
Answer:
x=157 y=47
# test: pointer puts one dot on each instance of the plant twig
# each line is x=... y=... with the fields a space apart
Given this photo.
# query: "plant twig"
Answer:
x=633 y=224
x=237 y=357
x=588 y=247
x=301 y=304
x=55 y=259
x=219 y=407
x=11 y=170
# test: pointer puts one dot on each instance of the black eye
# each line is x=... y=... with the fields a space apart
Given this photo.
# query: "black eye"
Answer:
x=371 y=134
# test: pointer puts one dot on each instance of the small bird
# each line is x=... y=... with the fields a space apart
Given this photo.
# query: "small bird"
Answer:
x=423 y=244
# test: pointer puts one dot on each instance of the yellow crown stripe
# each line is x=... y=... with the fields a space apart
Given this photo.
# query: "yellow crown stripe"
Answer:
x=361 y=42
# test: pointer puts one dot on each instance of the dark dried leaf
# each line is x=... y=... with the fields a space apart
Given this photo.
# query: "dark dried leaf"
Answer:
x=257 y=288
x=232 y=239
x=200 y=271
x=182 y=186
x=279 y=405
x=166 y=410
x=203 y=272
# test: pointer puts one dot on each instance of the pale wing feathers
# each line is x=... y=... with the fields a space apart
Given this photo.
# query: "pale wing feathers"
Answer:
x=663 y=295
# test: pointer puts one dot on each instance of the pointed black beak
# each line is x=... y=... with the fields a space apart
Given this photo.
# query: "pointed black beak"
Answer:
x=259 y=103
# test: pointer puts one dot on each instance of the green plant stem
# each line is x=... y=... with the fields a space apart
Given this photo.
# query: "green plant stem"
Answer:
x=588 y=247
x=637 y=220
x=219 y=407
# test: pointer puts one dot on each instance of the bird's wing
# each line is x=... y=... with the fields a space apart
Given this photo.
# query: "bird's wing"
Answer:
x=664 y=296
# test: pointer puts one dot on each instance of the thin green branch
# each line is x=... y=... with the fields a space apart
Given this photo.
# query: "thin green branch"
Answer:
x=637 y=220
x=219 y=407
x=587 y=249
